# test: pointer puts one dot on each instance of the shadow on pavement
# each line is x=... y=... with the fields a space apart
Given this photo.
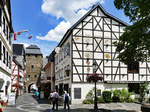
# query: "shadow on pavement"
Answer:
x=71 y=110
x=41 y=101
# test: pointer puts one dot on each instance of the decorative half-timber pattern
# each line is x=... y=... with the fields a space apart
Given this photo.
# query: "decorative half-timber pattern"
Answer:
x=92 y=39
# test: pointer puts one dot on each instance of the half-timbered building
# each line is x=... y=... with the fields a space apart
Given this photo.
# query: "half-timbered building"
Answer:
x=5 y=48
x=91 y=39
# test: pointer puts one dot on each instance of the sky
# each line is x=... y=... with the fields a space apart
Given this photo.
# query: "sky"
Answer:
x=48 y=20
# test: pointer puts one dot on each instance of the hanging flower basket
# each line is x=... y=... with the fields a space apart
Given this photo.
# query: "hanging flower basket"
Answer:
x=67 y=72
x=94 y=77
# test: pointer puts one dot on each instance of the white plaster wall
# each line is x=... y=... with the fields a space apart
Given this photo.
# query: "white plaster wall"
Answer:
x=5 y=78
x=86 y=87
x=60 y=71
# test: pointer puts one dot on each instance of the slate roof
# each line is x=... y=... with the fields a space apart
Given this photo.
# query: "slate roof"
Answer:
x=33 y=49
x=18 y=49
x=51 y=56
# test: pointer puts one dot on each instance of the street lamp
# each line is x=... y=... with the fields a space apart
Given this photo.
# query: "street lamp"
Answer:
x=94 y=78
x=95 y=100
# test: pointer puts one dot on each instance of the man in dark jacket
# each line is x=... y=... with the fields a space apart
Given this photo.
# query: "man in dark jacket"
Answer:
x=66 y=100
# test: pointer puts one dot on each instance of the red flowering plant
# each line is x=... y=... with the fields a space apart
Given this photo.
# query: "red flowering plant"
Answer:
x=94 y=77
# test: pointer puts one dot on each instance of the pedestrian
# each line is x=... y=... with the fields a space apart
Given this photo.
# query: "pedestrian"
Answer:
x=37 y=93
x=50 y=97
x=55 y=100
x=66 y=100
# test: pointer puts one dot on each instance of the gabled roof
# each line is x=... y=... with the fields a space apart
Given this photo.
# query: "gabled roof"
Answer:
x=82 y=18
x=18 y=49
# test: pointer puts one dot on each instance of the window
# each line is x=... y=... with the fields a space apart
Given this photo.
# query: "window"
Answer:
x=10 y=38
x=7 y=32
x=9 y=62
x=134 y=87
x=28 y=78
x=4 y=25
x=48 y=78
x=0 y=16
x=0 y=50
x=77 y=93
x=133 y=68
x=7 y=58
x=32 y=66
x=4 y=54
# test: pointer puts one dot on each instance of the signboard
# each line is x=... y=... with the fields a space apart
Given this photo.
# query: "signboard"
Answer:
x=12 y=99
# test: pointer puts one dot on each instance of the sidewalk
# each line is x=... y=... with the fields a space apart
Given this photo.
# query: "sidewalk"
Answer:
x=103 y=107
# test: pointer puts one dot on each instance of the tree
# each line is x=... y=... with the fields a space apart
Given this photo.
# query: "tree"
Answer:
x=134 y=44
x=143 y=91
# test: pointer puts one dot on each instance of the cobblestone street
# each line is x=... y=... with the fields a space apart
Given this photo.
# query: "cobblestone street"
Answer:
x=28 y=103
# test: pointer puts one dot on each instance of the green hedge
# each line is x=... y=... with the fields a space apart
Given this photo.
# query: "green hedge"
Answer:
x=107 y=96
x=116 y=95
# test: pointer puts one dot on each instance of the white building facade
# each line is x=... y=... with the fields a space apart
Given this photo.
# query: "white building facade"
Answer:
x=5 y=48
x=91 y=39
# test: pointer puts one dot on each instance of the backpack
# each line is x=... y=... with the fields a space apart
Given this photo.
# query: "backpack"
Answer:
x=66 y=98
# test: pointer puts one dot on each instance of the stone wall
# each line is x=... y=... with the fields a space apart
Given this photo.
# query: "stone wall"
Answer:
x=33 y=67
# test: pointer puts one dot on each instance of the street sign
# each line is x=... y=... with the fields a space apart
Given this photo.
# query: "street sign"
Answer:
x=12 y=99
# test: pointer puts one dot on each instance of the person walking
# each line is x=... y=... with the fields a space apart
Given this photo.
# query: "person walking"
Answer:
x=66 y=100
x=55 y=100
x=50 y=97
x=36 y=93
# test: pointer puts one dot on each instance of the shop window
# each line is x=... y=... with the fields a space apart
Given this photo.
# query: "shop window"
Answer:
x=133 y=68
x=77 y=93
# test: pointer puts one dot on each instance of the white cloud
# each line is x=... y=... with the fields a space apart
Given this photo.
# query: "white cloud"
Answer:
x=69 y=10
x=25 y=44
x=56 y=34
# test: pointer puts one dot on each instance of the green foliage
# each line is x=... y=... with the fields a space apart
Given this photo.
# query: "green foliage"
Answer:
x=143 y=90
x=116 y=95
x=90 y=97
x=133 y=45
x=107 y=96
x=88 y=101
x=126 y=96
x=100 y=100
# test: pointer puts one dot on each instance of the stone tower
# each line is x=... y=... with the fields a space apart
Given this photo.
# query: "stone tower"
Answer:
x=34 y=63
